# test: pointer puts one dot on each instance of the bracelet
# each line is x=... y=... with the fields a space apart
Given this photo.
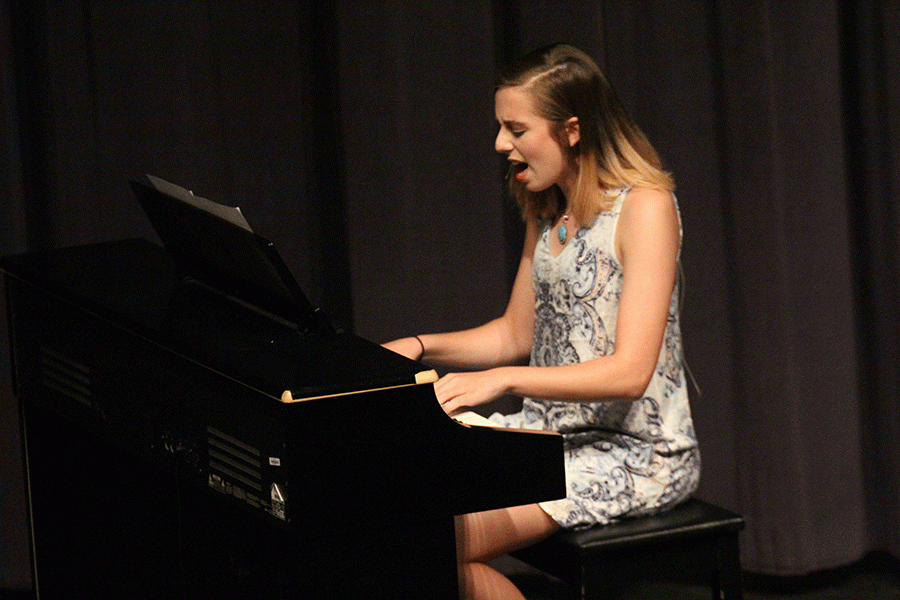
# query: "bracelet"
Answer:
x=418 y=339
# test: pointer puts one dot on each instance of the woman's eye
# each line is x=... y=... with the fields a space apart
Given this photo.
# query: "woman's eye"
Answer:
x=518 y=132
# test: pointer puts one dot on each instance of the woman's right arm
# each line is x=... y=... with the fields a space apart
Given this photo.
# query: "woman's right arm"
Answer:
x=502 y=341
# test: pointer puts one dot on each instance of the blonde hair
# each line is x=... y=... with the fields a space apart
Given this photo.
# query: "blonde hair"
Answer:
x=612 y=152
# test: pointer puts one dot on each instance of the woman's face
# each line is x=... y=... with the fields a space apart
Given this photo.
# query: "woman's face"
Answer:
x=531 y=143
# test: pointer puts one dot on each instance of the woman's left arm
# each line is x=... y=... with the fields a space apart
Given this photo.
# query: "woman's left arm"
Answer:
x=647 y=242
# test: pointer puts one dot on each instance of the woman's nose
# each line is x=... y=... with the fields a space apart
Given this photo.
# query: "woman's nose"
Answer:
x=501 y=143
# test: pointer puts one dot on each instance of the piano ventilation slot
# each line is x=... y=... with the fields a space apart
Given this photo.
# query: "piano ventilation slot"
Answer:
x=233 y=441
x=223 y=470
x=234 y=459
x=249 y=470
x=66 y=376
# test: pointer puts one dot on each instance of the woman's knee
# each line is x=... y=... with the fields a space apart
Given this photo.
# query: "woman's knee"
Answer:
x=478 y=581
x=481 y=537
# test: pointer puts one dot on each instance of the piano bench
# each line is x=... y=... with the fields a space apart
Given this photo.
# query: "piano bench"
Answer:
x=693 y=538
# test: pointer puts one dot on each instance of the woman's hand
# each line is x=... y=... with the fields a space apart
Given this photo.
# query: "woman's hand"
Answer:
x=457 y=391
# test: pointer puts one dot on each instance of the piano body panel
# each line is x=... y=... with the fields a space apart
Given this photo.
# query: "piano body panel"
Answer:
x=153 y=425
x=103 y=529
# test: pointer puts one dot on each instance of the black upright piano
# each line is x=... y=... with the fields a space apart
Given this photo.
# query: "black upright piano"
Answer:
x=184 y=442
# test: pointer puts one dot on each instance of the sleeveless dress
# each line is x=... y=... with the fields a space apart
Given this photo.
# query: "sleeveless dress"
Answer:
x=622 y=458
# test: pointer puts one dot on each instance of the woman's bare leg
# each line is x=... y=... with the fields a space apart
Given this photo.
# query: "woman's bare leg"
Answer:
x=482 y=537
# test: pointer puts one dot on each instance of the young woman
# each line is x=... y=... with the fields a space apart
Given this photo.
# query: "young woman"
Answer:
x=595 y=307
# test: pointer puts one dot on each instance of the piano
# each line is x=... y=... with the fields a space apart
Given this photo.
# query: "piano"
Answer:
x=182 y=440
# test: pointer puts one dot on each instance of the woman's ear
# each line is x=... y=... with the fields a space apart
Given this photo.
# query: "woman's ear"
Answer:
x=573 y=133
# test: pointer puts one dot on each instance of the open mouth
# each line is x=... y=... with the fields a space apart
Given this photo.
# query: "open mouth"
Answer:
x=517 y=170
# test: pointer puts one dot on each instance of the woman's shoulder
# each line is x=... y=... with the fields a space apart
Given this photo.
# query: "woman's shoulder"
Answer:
x=648 y=214
x=643 y=203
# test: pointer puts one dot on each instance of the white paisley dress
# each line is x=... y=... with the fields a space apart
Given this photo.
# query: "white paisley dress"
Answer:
x=622 y=458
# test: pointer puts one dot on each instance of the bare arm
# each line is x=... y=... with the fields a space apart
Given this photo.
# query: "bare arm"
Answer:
x=502 y=341
x=647 y=241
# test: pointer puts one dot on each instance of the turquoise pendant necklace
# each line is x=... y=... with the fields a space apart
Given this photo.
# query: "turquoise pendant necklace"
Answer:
x=562 y=233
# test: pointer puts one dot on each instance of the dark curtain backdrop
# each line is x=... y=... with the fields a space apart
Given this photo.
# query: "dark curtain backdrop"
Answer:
x=358 y=137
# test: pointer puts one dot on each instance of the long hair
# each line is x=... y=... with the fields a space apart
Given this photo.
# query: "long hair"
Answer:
x=613 y=153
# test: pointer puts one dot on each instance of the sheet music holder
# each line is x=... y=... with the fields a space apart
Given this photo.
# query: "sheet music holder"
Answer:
x=213 y=244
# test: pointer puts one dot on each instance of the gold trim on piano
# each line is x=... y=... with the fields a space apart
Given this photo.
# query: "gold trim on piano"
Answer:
x=422 y=377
